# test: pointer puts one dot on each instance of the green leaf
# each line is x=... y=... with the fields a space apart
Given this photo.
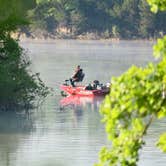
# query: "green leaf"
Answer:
x=162 y=142
x=161 y=113
x=154 y=8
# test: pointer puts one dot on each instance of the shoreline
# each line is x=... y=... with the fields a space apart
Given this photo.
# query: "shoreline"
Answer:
x=22 y=37
x=47 y=40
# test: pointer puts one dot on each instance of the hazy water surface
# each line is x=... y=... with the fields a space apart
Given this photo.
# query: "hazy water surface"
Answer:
x=72 y=136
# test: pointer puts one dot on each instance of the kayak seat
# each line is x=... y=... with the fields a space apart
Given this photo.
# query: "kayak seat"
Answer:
x=82 y=77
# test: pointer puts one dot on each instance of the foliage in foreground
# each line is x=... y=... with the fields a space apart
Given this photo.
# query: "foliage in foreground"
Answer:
x=137 y=98
x=18 y=87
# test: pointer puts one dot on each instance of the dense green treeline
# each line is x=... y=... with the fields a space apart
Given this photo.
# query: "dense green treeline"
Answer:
x=107 y=18
x=18 y=87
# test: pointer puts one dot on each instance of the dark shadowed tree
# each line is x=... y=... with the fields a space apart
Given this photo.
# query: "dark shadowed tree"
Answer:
x=18 y=86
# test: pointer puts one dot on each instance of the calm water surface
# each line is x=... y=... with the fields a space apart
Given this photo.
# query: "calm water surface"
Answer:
x=72 y=136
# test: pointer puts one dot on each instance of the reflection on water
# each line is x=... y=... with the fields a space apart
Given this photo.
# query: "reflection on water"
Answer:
x=72 y=136
x=14 y=122
x=50 y=136
x=81 y=102
x=78 y=104
x=13 y=127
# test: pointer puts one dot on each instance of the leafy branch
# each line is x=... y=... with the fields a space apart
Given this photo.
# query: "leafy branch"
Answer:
x=137 y=97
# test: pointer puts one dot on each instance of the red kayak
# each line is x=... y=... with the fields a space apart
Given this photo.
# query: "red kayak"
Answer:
x=81 y=91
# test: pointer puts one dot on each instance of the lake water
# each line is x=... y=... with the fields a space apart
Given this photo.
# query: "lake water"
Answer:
x=71 y=135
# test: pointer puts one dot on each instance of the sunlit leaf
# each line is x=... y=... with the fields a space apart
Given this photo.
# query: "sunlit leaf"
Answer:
x=162 y=142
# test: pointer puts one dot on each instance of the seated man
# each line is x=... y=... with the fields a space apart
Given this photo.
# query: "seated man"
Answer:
x=96 y=83
x=77 y=77
x=89 y=87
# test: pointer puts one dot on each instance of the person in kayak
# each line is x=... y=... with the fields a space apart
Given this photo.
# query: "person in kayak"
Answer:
x=77 y=76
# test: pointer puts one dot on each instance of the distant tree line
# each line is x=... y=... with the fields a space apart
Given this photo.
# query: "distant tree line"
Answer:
x=107 y=18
